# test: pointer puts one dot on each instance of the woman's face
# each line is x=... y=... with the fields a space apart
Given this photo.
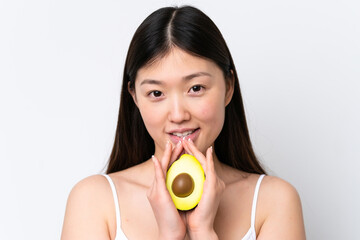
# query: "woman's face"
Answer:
x=181 y=95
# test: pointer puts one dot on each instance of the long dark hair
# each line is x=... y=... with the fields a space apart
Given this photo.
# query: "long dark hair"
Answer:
x=191 y=30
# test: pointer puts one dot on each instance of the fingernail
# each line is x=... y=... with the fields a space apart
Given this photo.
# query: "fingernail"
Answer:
x=183 y=138
x=211 y=149
x=178 y=144
x=189 y=140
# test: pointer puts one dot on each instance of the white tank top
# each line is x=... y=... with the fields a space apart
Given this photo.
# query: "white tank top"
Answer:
x=250 y=235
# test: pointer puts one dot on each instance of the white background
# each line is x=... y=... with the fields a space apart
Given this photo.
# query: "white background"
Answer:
x=61 y=65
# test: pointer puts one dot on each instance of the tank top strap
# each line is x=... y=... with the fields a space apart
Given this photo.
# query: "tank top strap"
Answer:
x=116 y=201
x=253 y=208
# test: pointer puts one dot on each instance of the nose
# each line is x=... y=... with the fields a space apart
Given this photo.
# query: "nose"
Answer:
x=178 y=110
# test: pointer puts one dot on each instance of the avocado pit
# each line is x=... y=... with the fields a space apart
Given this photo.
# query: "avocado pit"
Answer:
x=183 y=185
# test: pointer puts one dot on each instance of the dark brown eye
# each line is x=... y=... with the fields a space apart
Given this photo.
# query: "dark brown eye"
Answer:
x=156 y=93
x=196 y=88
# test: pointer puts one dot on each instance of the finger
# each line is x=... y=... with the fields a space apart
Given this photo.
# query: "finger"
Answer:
x=210 y=169
x=150 y=191
x=176 y=152
x=159 y=174
x=209 y=159
x=166 y=157
x=190 y=147
x=187 y=148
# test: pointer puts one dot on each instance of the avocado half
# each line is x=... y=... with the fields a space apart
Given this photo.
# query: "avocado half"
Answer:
x=184 y=181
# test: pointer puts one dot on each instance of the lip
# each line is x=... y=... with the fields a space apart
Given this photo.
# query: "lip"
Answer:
x=181 y=130
x=193 y=136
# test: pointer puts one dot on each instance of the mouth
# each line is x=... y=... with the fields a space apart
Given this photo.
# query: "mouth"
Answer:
x=177 y=135
x=183 y=134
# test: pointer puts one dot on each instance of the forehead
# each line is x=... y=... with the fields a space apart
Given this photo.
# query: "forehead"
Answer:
x=175 y=65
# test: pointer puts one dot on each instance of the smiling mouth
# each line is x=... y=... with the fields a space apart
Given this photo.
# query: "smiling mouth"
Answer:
x=184 y=134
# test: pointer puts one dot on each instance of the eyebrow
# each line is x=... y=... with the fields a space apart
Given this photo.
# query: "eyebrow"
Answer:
x=185 y=78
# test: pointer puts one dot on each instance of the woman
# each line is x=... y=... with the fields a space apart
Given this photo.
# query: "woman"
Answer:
x=181 y=94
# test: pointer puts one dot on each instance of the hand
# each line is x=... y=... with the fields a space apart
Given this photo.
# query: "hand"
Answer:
x=200 y=221
x=171 y=225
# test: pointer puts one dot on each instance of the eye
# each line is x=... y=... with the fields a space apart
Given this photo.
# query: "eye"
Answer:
x=196 y=89
x=155 y=94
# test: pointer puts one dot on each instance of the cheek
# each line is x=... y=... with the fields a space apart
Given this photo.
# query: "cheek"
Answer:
x=146 y=116
x=213 y=106
x=151 y=116
x=212 y=113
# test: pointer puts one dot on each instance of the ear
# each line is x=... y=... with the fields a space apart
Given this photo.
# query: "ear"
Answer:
x=132 y=93
x=229 y=88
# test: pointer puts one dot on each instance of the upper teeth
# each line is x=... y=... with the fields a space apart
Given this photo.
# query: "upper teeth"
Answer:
x=184 y=134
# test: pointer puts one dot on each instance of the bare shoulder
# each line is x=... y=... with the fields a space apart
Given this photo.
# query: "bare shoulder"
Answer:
x=90 y=184
x=90 y=190
x=280 y=209
x=87 y=209
x=278 y=190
